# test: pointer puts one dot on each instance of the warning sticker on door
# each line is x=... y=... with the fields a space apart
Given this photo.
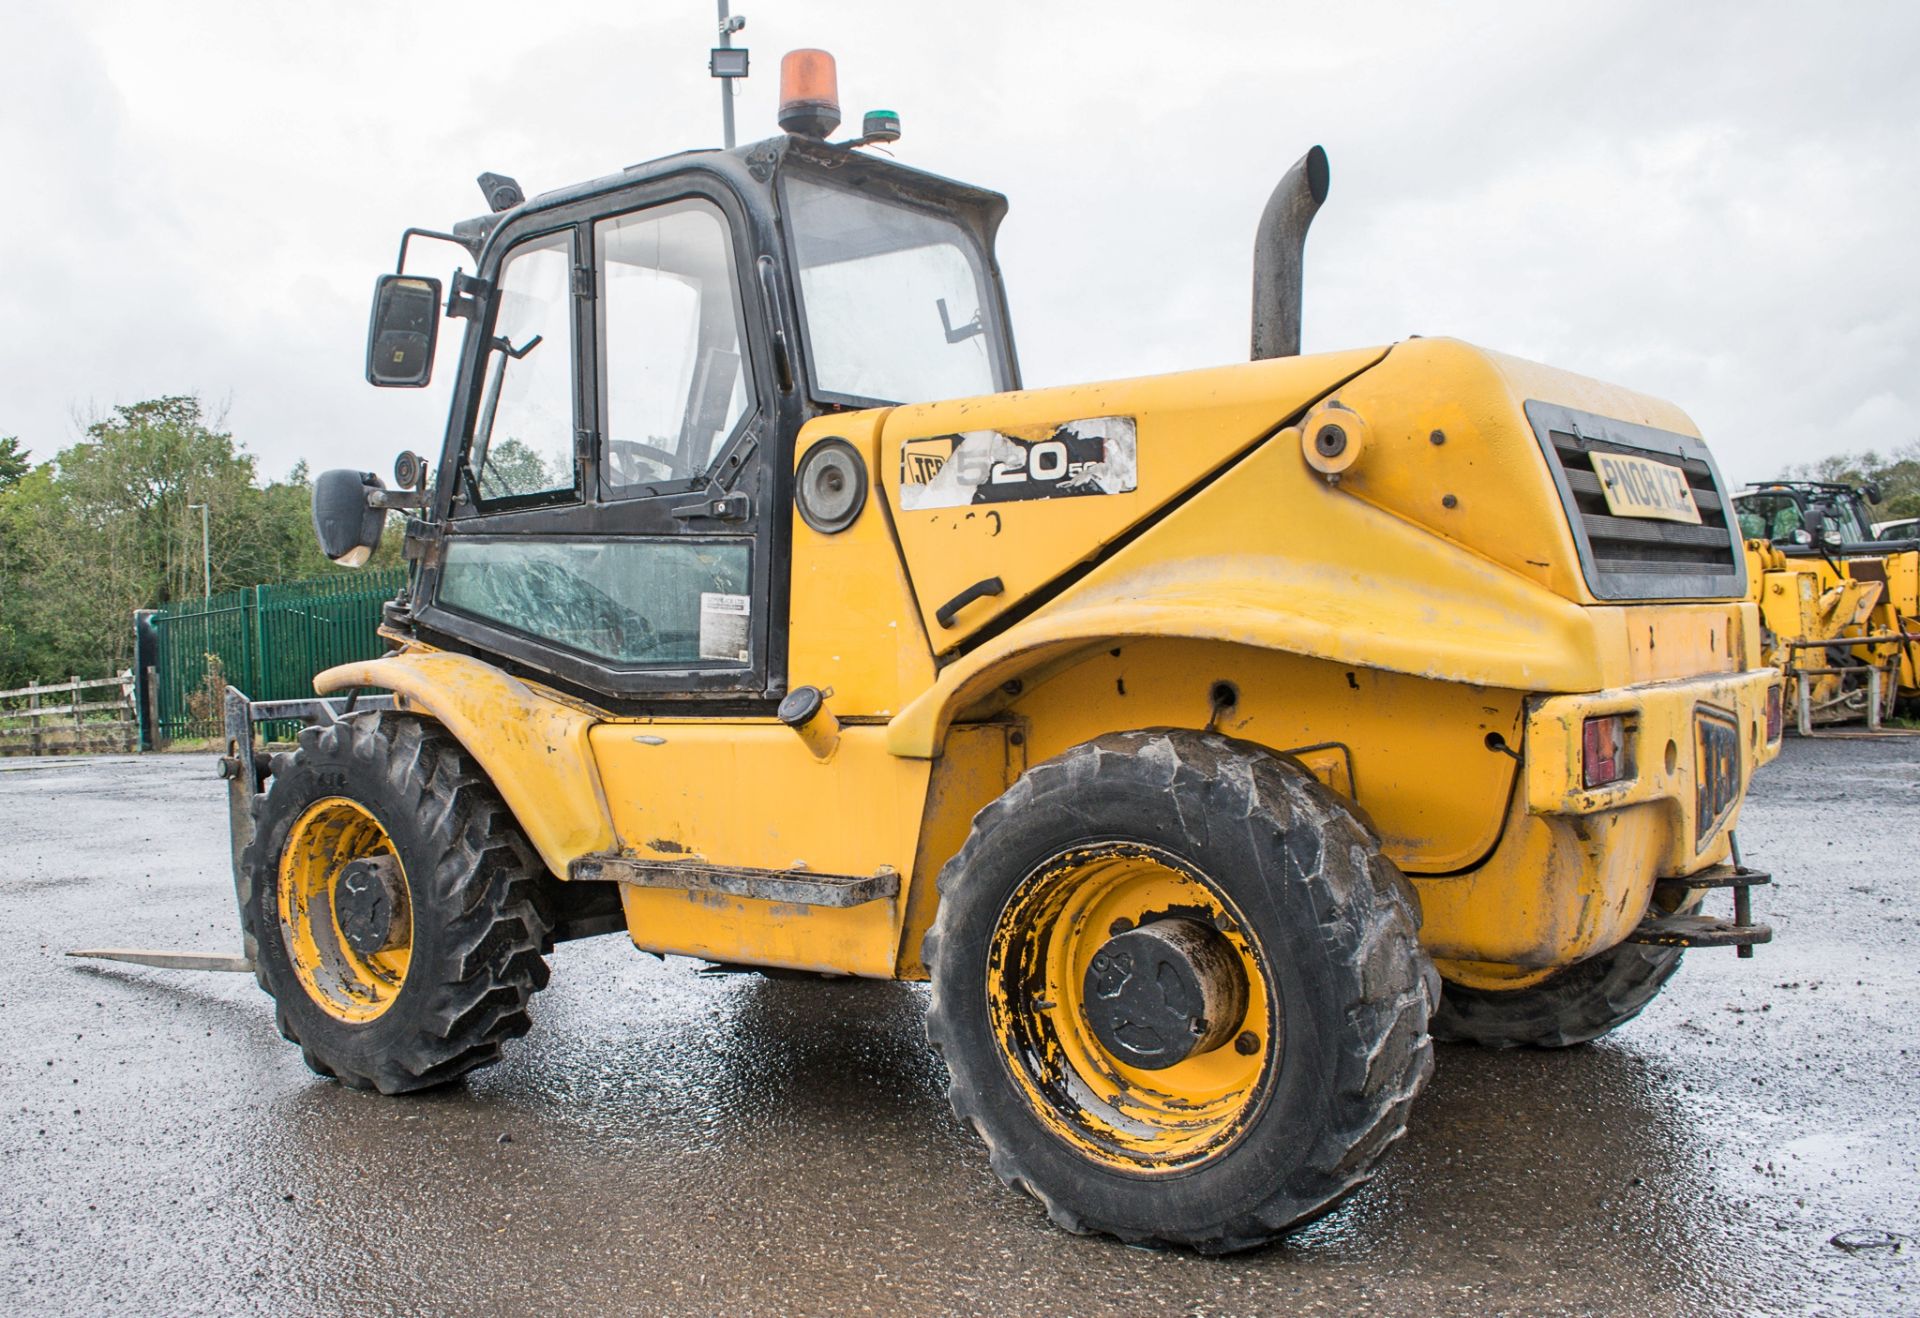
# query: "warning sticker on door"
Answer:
x=723 y=627
x=1097 y=455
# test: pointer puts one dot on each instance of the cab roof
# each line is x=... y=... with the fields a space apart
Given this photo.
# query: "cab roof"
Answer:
x=753 y=169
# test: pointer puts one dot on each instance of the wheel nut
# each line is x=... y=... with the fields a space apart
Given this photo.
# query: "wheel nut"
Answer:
x=1247 y=1044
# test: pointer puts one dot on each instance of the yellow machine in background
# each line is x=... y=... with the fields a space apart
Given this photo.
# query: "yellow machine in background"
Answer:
x=1188 y=733
x=1839 y=611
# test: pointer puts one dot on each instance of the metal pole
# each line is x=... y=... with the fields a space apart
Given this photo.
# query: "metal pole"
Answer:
x=1742 y=897
x=726 y=84
x=206 y=554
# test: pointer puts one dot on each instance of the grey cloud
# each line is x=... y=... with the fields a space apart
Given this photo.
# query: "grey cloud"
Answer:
x=1709 y=202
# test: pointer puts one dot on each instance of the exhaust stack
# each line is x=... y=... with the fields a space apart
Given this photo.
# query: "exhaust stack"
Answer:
x=1278 y=249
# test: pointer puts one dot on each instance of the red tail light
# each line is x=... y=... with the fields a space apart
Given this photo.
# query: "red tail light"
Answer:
x=1605 y=755
x=1776 y=712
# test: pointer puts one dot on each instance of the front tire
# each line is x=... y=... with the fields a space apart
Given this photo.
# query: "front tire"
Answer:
x=391 y=905
x=1288 y=1071
x=1581 y=1003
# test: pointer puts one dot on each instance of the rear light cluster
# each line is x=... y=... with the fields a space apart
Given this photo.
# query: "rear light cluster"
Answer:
x=1776 y=712
x=1605 y=753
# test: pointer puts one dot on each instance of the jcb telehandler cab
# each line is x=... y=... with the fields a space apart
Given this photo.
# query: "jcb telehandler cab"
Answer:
x=1187 y=732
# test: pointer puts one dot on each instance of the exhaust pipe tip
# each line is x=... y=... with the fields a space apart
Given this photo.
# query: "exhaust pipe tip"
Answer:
x=1279 y=249
x=1318 y=173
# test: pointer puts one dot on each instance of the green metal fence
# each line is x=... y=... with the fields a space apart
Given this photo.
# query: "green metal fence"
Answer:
x=268 y=640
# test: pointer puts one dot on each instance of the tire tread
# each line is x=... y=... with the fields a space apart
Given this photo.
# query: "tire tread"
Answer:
x=1387 y=1056
x=485 y=888
x=1576 y=1006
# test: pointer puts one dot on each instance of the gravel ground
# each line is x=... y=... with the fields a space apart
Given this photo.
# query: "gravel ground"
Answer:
x=671 y=1142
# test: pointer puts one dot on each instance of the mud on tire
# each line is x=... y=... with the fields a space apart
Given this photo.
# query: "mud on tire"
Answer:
x=1575 y=1006
x=478 y=924
x=1334 y=927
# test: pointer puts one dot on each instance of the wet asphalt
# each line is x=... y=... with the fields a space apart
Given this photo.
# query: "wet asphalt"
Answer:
x=671 y=1142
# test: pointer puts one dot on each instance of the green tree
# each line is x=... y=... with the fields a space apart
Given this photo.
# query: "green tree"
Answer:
x=14 y=462
x=111 y=525
x=514 y=467
x=1897 y=475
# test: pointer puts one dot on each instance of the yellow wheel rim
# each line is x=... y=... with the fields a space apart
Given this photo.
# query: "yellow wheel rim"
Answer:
x=348 y=985
x=1138 y=1120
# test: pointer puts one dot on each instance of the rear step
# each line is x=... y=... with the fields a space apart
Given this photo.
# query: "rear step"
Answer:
x=1662 y=930
x=1698 y=931
x=798 y=887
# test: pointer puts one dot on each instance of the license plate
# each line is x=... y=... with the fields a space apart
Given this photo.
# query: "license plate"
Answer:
x=1641 y=487
x=1716 y=770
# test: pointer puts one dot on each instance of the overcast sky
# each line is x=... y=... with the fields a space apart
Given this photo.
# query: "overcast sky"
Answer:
x=1714 y=203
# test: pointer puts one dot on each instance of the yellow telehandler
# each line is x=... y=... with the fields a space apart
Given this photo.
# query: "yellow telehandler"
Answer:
x=1839 y=607
x=1211 y=741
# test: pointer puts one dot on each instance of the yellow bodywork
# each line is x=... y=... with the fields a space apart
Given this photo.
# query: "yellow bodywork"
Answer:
x=1835 y=601
x=532 y=741
x=1190 y=424
x=1901 y=612
x=1417 y=634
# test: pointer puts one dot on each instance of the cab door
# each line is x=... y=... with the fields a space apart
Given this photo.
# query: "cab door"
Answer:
x=611 y=527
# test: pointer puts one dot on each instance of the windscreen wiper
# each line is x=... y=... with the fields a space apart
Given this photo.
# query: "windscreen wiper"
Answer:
x=958 y=334
x=483 y=433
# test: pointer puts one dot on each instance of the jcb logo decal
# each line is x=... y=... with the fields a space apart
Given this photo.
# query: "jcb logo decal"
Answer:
x=1088 y=457
x=921 y=459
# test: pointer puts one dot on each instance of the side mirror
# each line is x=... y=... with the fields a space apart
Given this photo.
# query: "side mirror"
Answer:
x=1873 y=495
x=404 y=331
x=345 y=520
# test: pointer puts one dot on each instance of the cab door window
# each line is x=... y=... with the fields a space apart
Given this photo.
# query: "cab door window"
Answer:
x=673 y=376
x=1770 y=517
x=632 y=603
x=614 y=381
x=523 y=441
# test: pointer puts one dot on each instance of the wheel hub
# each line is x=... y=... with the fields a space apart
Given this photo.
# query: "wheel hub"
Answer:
x=1165 y=991
x=367 y=904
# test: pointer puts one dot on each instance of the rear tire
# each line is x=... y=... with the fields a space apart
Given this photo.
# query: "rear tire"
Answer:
x=1236 y=1142
x=468 y=927
x=1578 y=1005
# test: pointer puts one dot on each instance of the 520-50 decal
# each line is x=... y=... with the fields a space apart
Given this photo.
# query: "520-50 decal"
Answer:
x=1097 y=455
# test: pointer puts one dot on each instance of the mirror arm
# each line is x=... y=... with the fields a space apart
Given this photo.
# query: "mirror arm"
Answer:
x=396 y=500
x=466 y=295
x=470 y=245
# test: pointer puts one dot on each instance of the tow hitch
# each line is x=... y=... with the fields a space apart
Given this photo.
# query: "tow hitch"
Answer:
x=1695 y=930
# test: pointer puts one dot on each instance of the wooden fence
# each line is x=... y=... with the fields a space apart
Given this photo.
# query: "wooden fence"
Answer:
x=53 y=718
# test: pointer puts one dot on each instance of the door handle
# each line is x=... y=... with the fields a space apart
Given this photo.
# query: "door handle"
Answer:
x=946 y=613
x=725 y=508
